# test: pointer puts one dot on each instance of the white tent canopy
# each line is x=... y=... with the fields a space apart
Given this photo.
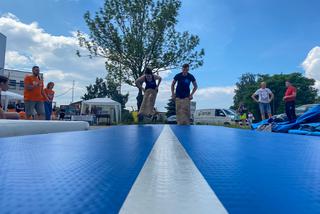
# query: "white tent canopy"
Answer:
x=7 y=96
x=103 y=102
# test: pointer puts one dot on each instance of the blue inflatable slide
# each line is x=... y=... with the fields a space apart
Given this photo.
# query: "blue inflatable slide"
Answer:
x=306 y=124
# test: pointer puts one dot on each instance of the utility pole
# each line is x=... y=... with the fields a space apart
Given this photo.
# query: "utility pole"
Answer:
x=72 y=91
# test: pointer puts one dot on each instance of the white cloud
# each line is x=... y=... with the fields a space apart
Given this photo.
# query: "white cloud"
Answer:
x=215 y=97
x=311 y=65
x=164 y=73
x=29 y=44
x=210 y=91
x=60 y=75
x=14 y=59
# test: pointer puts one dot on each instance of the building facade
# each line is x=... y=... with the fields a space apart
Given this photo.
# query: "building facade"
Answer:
x=16 y=77
x=16 y=80
x=2 y=51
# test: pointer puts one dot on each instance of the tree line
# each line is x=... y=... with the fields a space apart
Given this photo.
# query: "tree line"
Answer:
x=248 y=83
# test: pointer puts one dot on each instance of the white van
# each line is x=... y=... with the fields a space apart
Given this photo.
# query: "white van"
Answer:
x=214 y=116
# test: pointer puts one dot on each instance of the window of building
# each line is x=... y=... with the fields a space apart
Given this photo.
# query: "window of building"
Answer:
x=21 y=85
x=12 y=84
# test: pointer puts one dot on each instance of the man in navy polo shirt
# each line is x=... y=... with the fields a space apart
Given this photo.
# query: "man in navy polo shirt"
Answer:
x=182 y=94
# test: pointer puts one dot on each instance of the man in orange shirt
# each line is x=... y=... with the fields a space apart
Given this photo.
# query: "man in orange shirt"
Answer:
x=289 y=99
x=33 y=95
x=49 y=94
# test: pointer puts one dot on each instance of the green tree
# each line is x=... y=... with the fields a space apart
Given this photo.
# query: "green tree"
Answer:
x=109 y=88
x=249 y=83
x=306 y=93
x=133 y=35
x=246 y=86
x=171 y=108
x=96 y=90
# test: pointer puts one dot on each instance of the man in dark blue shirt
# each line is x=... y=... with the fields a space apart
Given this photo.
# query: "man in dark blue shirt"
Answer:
x=182 y=94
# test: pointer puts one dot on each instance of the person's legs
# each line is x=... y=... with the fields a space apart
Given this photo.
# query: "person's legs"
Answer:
x=288 y=112
x=143 y=107
x=243 y=118
x=29 y=109
x=262 y=112
x=39 y=107
x=178 y=107
x=293 y=110
x=152 y=100
x=268 y=110
x=183 y=111
x=140 y=118
x=61 y=117
x=48 y=110
x=187 y=112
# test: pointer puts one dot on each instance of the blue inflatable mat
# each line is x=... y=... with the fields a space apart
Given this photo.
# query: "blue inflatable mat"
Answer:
x=256 y=172
x=96 y=171
x=76 y=172
x=303 y=132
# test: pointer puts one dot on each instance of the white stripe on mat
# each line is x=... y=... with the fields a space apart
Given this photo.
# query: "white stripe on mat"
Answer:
x=169 y=182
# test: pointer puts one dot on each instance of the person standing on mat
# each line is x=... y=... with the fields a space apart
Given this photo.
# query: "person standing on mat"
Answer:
x=265 y=96
x=49 y=94
x=33 y=95
x=289 y=99
x=182 y=95
x=4 y=87
x=150 y=93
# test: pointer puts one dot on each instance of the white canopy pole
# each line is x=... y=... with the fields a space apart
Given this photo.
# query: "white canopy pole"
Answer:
x=117 y=113
x=6 y=103
x=119 y=106
x=90 y=106
x=82 y=108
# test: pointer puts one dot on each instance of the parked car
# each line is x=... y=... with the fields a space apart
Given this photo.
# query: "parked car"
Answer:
x=299 y=111
x=172 y=119
x=214 y=116
x=302 y=109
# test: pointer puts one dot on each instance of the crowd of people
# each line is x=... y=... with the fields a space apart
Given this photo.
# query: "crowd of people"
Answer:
x=265 y=97
x=37 y=98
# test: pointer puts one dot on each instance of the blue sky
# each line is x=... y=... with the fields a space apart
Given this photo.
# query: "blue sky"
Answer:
x=252 y=36
x=238 y=36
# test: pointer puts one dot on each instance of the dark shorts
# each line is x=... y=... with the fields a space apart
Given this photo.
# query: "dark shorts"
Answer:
x=34 y=107
x=265 y=108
